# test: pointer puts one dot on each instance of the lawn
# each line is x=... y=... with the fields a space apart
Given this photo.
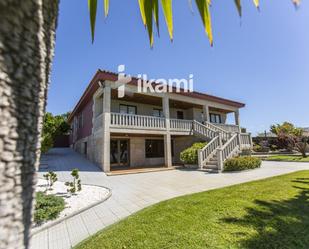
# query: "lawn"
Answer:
x=271 y=213
x=289 y=158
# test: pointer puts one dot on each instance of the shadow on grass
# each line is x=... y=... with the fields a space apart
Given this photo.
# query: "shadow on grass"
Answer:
x=279 y=224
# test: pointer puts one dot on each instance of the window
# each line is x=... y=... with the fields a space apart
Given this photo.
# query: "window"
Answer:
x=80 y=120
x=127 y=109
x=154 y=148
x=215 y=118
x=157 y=113
x=179 y=114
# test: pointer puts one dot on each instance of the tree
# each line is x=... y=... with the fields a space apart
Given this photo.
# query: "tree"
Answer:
x=301 y=146
x=149 y=10
x=27 y=37
x=53 y=126
x=290 y=137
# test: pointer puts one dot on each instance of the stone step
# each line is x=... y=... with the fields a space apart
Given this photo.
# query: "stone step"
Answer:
x=212 y=170
x=211 y=166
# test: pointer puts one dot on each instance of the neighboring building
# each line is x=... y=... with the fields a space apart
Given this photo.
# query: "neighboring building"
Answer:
x=151 y=129
x=272 y=135
x=305 y=131
x=266 y=135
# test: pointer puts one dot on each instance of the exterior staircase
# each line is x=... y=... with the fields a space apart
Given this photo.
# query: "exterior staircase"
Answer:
x=223 y=145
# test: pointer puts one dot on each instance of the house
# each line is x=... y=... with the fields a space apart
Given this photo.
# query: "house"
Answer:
x=266 y=135
x=305 y=131
x=151 y=129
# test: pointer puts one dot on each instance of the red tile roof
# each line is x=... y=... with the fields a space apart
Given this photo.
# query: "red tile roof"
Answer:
x=111 y=76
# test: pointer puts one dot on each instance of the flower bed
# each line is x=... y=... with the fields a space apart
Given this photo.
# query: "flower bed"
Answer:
x=88 y=196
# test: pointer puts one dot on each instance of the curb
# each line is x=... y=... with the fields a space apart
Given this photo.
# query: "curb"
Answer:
x=51 y=224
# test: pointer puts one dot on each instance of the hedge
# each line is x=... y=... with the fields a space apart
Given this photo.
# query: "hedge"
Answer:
x=47 y=207
x=242 y=163
x=189 y=155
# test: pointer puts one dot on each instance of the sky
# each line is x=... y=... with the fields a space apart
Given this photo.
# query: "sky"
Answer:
x=261 y=59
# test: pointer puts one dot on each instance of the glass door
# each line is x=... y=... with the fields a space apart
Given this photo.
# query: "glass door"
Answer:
x=119 y=153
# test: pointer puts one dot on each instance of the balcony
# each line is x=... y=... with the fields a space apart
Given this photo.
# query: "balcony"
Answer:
x=121 y=122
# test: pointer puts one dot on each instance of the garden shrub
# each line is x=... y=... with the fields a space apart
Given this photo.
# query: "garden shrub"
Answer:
x=189 y=155
x=242 y=163
x=51 y=178
x=76 y=184
x=259 y=148
x=47 y=207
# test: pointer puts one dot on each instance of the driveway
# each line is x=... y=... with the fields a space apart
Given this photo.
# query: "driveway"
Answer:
x=131 y=193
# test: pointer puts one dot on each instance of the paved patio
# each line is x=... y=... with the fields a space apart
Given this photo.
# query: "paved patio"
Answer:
x=131 y=193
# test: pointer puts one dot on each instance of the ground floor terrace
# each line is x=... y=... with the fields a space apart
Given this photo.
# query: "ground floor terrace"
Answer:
x=131 y=193
x=136 y=151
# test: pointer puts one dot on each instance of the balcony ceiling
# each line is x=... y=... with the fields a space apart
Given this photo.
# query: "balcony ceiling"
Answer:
x=150 y=100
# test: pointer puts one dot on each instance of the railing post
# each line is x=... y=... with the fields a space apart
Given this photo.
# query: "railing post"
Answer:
x=220 y=139
x=220 y=160
x=200 y=158
x=239 y=140
x=251 y=142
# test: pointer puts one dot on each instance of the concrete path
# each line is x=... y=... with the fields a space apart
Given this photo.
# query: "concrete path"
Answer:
x=131 y=193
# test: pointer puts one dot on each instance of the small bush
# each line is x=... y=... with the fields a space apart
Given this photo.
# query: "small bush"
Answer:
x=242 y=163
x=51 y=178
x=75 y=185
x=189 y=155
x=273 y=147
x=259 y=148
x=47 y=207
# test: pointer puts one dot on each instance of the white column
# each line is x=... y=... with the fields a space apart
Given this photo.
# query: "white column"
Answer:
x=219 y=154
x=237 y=120
x=167 y=135
x=206 y=113
x=106 y=124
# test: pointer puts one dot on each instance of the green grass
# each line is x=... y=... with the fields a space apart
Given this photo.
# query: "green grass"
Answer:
x=289 y=158
x=271 y=213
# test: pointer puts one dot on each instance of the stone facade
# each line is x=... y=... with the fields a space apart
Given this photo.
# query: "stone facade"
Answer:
x=101 y=116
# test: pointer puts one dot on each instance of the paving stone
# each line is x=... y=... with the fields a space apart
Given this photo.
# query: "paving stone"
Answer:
x=131 y=193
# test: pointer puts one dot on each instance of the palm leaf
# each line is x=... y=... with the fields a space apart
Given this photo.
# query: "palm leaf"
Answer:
x=168 y=14
x=146 y=7
x=256 y=3
x=142 y=11
x=296 y=2
x=203 y=7
x=238 y=6
x=106 y=7
x=92 y=5
x=156 y=14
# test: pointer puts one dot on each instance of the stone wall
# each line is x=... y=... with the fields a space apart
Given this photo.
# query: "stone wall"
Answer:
x=137 y=149
x=180 y=144
x=137 y=153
